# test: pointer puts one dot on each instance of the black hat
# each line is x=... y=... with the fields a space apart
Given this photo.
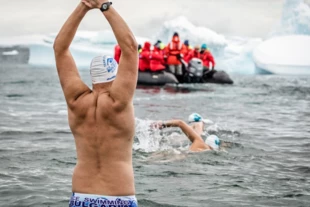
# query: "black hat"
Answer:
x=158 y=42
x=176 y=34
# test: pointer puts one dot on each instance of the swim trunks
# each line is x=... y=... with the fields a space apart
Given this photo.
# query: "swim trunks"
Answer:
x=87 y=200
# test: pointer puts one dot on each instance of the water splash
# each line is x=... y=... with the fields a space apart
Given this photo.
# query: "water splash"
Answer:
x=173 y=140
x=147 y=139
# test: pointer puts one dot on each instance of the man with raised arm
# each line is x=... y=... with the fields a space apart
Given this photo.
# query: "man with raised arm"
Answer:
x=102 y=119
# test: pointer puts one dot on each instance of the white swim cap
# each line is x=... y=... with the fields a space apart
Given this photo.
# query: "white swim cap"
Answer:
x=194 y=118
x=103 y=69
x=197 y=118
x=213 y=141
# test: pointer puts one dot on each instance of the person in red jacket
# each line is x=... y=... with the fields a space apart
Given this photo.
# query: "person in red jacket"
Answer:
x=144 y=57
x=157 y=62
x=207 y=58
x=187 y=48
x=117 y=53
x=174 y=51
x=193 y=54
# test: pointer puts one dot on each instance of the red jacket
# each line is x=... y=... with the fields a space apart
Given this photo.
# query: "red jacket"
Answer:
x=192 y=54
x=207 y=58
x=117 y=53
x=173 y=49
x=144 y=58
x=187 y=50
x=157 y=60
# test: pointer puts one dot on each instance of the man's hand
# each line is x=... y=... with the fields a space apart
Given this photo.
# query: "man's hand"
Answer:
x=94 y=4
x=165 y=124
x=158 y=125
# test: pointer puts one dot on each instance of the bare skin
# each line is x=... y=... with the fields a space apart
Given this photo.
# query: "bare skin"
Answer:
x=101 y=119
x=192 y=132
x=198 y=127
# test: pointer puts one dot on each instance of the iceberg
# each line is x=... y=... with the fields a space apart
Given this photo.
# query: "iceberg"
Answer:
x=85 y=46
x=288 y=49
x=283 y=55
x=232 y=54
x=295 y=18
x=187 y=30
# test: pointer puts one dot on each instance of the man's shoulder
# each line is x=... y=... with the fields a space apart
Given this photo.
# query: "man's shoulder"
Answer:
x=93 y=101
x=80 y=102
x=199 y=143
x=199 y=146
x=107 y=101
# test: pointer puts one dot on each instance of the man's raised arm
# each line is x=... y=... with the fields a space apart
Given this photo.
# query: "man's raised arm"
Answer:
x=125 y=84
x=70 y=80
x=123 y=87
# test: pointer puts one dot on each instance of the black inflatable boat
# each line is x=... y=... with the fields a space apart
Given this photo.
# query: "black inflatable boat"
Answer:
x=156 y=79
x=192 y=73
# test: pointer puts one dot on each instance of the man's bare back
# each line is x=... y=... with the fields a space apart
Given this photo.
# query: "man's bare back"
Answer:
x=104 y=137
x=102 y=119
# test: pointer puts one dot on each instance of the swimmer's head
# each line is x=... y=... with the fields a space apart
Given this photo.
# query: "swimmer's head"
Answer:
x=103 y=69
x=214 y=142
x=194 y=118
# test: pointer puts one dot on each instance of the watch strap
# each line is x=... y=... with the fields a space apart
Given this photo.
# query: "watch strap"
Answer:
x=107 y=8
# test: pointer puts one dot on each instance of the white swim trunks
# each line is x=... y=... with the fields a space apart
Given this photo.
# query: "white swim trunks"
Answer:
x=87 y=200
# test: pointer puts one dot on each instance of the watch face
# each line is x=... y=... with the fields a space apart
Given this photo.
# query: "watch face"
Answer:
x=104 y=6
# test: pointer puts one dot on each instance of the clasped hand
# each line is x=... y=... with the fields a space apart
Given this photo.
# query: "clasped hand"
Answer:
x=94 y=4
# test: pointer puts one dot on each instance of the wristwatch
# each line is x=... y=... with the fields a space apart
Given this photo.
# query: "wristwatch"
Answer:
x=105 y=6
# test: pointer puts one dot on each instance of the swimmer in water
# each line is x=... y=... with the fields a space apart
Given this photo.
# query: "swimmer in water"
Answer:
x=102 y=118
x=194 y=132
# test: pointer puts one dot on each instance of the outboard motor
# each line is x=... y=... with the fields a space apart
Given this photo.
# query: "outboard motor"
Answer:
x=194 y=71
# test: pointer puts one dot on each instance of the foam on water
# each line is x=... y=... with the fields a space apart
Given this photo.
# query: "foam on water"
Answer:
x=149 y=139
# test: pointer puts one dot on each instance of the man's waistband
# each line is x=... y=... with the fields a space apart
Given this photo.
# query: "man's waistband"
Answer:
x=88 y=200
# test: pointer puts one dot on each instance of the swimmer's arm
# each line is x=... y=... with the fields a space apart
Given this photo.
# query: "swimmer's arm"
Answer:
x=123 y=88
x=188 y=131
x=72 y=85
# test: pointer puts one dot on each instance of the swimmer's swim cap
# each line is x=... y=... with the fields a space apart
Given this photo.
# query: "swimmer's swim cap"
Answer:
x=197 y=118
x=194 y=118
x=213 y=141
x=103 y=69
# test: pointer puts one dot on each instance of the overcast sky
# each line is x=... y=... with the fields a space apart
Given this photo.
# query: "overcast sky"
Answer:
x=253 y=18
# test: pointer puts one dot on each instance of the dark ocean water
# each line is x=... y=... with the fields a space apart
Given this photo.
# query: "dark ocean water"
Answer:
x=267 y=118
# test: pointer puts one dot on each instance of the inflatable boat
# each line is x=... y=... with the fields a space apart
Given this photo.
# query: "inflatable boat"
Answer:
x=220 y=77
x=192 y=73
x=156 y=78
